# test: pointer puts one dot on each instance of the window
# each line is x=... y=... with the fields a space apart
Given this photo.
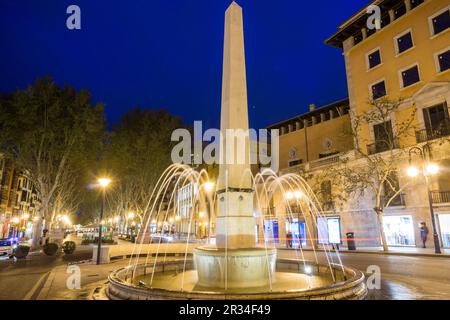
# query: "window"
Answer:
x=400 y=10
x=443 y=61
x=437 y=122
x=440 y=22
x=385 y=20
x=404 y=42
x=399 y=230
x=410 y=76
x=415 y=3
x=383 y=136
x=374 y=59
x=378 y=90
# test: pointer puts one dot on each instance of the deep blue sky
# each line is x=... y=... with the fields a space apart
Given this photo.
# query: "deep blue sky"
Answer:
x=168 y=53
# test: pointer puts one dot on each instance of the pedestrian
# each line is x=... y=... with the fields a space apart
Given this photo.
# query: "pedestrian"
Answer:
x=423 y=233
x=289 y=239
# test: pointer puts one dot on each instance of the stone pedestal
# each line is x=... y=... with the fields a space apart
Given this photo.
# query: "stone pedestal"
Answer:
x=234 y=269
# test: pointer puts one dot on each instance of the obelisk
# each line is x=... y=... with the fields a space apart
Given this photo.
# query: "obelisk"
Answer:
x=235 y=224
x=235 y=261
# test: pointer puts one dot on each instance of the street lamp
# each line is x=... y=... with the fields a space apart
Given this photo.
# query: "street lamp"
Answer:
x=427 y=170
x=103 y=182
x=208 y=186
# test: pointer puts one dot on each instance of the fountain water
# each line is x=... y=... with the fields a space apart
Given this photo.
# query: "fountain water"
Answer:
x=237 y=265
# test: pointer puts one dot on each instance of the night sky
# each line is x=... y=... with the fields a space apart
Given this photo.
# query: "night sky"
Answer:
x=168 y=53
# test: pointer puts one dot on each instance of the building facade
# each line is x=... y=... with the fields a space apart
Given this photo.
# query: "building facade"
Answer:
x=406 y=61
x=19 y=201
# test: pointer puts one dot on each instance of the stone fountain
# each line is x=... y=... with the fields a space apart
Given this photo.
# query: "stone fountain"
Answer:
x=235 y=252
x=235 y=267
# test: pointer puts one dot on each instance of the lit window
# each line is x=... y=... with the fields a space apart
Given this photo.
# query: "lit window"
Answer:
x=404 y=42
x=378 y=90
x=374 y=59
x=410 y=76
x=444 y=61
x=441 y=22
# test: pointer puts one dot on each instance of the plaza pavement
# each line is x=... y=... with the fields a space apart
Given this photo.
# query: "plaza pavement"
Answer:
x=406 y=275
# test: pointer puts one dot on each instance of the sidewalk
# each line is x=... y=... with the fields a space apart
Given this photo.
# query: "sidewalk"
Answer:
x=400 y=251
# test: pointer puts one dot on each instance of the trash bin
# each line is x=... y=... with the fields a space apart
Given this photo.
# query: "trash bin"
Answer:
x=351 y=241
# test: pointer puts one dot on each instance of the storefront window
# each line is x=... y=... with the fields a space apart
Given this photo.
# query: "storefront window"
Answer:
x=329 y=230
x=399 y=230
x=298 y=230
x=444 y=223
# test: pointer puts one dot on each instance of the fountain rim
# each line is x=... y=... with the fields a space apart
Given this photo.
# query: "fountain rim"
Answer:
x=355 y=280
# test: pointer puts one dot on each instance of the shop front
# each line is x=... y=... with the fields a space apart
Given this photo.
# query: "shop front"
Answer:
x=444 y=228
x=399 y=230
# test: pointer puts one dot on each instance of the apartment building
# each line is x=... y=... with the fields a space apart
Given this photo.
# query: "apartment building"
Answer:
x=407 y=61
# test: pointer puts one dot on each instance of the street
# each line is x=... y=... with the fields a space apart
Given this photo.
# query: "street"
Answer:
x=403 y=277
x=17 y=278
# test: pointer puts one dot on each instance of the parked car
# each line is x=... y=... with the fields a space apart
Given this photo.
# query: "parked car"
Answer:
x=6 y=248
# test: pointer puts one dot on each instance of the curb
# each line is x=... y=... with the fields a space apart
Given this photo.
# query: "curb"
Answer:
x=383 y=253
x=47 y=285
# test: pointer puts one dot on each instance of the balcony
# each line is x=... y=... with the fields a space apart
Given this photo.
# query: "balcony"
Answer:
x=398 y=201
x=440 y=197
x=382 y=146
x=442 y=130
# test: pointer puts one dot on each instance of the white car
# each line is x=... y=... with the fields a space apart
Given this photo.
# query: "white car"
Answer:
x=6 y=248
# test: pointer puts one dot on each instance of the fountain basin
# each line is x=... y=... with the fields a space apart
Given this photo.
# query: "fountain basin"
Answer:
x=234 y=268
x=172 y=283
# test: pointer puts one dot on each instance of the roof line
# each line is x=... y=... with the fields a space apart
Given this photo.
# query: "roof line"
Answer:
x=332 y=104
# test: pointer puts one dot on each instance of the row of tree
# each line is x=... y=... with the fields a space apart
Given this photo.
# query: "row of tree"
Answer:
x=60 y=139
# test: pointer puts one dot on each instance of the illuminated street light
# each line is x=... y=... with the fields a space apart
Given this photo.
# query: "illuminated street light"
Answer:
x=432 y=168
x=208 y=186
x=201 y=214
x=171 y=220
x=15 y=220
x=130 y=215
x=298 y=195
x=25 y=216
x=104 y=182
x=116 y=219
x=412 y=172
x=177 y=218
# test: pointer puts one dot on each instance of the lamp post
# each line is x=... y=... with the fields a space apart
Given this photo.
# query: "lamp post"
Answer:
x=429 y=169
x=103 y=182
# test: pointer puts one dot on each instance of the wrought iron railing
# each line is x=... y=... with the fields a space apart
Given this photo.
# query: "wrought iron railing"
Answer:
x=382 y=146
x=440 y=196
x=440 y=131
